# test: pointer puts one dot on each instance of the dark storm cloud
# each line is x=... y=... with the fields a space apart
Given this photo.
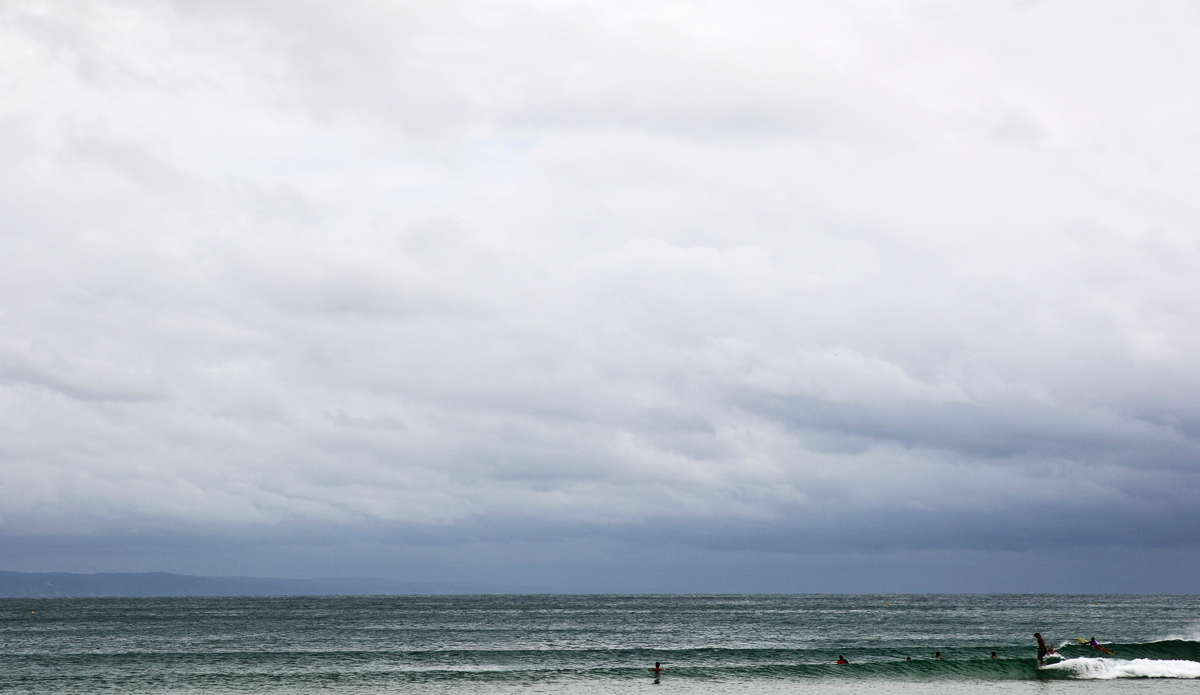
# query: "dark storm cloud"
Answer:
x=438 y=283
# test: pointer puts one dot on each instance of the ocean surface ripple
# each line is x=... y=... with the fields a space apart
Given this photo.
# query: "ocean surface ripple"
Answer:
x=596 y=644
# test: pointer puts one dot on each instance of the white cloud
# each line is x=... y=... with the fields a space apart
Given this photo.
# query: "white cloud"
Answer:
x=598 y=266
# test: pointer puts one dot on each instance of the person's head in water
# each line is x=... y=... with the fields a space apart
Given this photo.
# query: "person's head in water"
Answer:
x=908 y=658
x=937 y=655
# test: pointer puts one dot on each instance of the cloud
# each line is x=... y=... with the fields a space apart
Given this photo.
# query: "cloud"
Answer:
x=725 y=276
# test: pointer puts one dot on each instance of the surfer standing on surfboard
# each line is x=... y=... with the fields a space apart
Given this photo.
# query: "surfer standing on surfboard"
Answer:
x=1042 y=651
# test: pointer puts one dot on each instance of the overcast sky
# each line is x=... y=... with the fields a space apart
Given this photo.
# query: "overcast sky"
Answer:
x=604 y=296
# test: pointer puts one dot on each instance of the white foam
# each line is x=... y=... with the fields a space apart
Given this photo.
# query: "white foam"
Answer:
x=1192 y=635
x=1103 y=669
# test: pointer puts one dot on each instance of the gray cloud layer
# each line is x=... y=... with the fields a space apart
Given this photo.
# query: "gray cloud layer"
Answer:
x=834 y=277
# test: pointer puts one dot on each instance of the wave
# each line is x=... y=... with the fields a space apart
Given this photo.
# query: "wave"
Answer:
x=1081 y=668
x=1160 y=659
x=1094 y=668
x=1179 y=659
x=1192 y=635
x=1168 y=649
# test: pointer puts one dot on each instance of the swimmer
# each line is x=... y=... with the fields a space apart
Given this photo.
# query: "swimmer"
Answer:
x=657 y=667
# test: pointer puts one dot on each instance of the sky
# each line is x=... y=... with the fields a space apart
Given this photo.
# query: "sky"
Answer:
x=604 y=296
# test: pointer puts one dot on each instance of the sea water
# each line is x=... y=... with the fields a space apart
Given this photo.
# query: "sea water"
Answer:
x=599 y=644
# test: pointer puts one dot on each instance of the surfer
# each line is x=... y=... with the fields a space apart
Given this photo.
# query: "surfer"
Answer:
x=1042 y=651
x=842 y=659
x=993 y=655
x=1096 y=645
x=937 y=655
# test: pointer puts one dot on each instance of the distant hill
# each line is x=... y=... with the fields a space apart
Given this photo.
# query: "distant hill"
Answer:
x=35 y=584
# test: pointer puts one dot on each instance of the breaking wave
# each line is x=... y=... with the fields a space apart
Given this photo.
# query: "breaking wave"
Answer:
x=1107 y=668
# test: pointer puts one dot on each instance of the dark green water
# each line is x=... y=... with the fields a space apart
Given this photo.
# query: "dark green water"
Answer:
x=596 y=644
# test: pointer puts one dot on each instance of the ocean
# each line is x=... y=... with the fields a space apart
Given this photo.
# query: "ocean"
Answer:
x=758 y=644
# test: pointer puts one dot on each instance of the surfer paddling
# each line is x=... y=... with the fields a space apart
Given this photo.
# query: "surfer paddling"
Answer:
x=1100 y=647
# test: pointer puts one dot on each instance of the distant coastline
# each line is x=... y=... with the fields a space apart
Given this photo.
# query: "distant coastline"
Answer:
x=65 y=584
